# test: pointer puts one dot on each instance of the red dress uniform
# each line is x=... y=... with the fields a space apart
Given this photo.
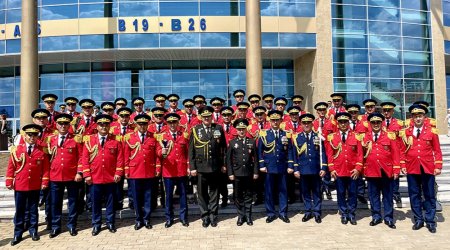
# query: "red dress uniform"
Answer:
x=153 y=128
x=424 y=151
x=177 y=110
x=427 y=122
x=74 y=114
x=188 y=123
x=116 y=129
x=140 y=158
x=395 y=125
x=27 y=172
x=65 y=161
x=41 y=140
x=51 y=121
x=217 y=118
x=135 y=113
x=102 y=163
x=230 y=134
x=332 y=111
x=344 y=157
x=176 y=164
x=254 y=128
x=289 y=127
x=79 y=126
x=329 y=126
x=384 y=154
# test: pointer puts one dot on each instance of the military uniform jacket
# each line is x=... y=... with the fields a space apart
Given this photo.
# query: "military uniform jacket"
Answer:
x=206 y=153
x=384 y=154
x=291 y=128
x=275 y=154
x=79 y=126
x=189 y=124
x=153 y=128
x=329 y=126
x=176 y=163
x=241 y=157
x=140 y=159
x=395 y=125
x=424 y=151
x=428 y=122
x=116 y=129
x=27 y=172
x=332 y=111
x=231 y=134
x=102 y=163
x=306 y=154
x=65 y=161
x=254 y=128
x=344 y=157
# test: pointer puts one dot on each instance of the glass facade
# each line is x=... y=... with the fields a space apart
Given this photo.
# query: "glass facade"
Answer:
x=382 y=50
x=104 y=81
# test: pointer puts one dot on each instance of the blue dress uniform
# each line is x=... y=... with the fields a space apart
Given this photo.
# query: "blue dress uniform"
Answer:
x=274 y=150
x=306 y=155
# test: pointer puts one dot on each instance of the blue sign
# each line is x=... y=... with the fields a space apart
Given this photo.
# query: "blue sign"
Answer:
x=176 y=25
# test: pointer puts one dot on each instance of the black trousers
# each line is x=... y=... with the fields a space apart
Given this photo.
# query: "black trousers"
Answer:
x=243 y=193
x=208 y=194
x=223 y=189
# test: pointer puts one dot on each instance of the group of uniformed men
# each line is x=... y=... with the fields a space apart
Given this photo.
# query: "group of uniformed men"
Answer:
x=261 y=149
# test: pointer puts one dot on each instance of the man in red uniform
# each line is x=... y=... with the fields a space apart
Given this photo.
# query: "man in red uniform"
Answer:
x=239 y=96
x=259 y=123
x=293 y=125
x=109 y=108
x=355 y=120
x=227 y=116
x=49 y=103
x=428 y=121
x=71 y=103
x=160 y=100
x=199 y=101
x=345 y=157
x=172 y=150
x=254 y=102
x=158 y=125
x=217 y=104
x=141 y=166
x=102 y=168
x=27 y=174
x=422 y=162
x=138 y=104
x=381 y=167
x=369 y=106
x=337 y=105
x=173 y=104
x=297 y=102
x=280 y=104
x=84 y=124
x=189 y=118
x=268 y=101
x=66 y=171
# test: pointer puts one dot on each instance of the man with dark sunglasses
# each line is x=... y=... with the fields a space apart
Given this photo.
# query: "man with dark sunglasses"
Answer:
x=71 y=106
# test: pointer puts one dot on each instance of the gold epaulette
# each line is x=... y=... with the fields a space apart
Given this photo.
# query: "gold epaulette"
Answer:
x=78 y=138
x=392 y=135
x=55 y=132
x=434 y=131
x=294 y=137
x=333 y=122
x=126 y=137
x=407 y=122
x=183 y=111
x=283 y=125
x=402 y=133
x=118 y=138
x=330 y=137
x=86 y=138
x=111 y=129
x=74 y=121
x=186 y=135
x=359 y=117
x=158 y=137
x=366 y=124
x=288 y=135
x=262 y=133
x=360 y=136
x=432 y=122
x=400 y=122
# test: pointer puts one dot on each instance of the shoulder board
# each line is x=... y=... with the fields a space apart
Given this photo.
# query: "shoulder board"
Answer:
x=283 y=125
x=126 y=137
x=111 y=129
x=199 y=117
x=118 y=138
x=186 y=135
x=434 y=131
x=366 y=124
x=86 y=138
x=78 y=138
x=183 y=111
x=391 y=135
x=407 y=121
x=333 y=122
x=400 y=122
x=330 y=137
x=288 y=135
x=55 y=132
x=74 y=121
x=401 y=133
x=263 y=133
x=294 y=136
x=359 y=117
x=158 y=137
x=433 y=122
x=360 y=136
x=21 y=132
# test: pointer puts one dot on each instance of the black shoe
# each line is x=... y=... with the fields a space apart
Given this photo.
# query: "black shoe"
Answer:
x=119 y=206
x=168 y=224
x=184 y=223
x=417 y=226
x=148 y=225
x=270 y=219
x=73 y=231
x=353 y=221
x=362 y=200
x=138 y=225
x=224 y=203
x=375 y=222
x=206 y=222
x=95 y=230
x=328 y=194
x=431 y=228
x=397 y=199
x=307 y=217
x=54 y=233
x=250 y=221
x=390 y=224
x=16 y=240
x=41 y=202
x=131 y=206
x=240 y=222
x=111 y=228
x=344 y=220
x=318 y=219
x=35 y=237
x=48 y=227
x=285 y=219
x=214 y=223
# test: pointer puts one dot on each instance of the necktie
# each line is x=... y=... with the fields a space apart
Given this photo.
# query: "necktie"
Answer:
x=29 y=149
x=343 y=137
x=189 y=118
x=228 y=128
x=295 y=126
x=337 y=110
x=124 y=130
x=261 y=125
x=276 y=134
x=174 y=136
x=376 y=137
x=354 y=124
x=387 y=123
x=307 y=136
x=418 y=133
x=62 y=141
x=88 y=121
x=321 y=123
x=103 y=141
x=142 y=138
x=208 y=130
x=159 y=127
x=217 y=116
x=50 y=118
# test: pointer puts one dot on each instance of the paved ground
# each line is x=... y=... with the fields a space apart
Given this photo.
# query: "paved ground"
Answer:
x=296 y=235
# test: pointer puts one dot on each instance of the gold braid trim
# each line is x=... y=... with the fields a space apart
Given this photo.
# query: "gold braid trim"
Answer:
x=270 y=146
x=368 y=147
x=51 y=151
x=408 y=142
x=338 y=147
x=80 y=130
x=20 y=159
x=93 y=151
x=302 y=149
x=170 y=146
x=136 y=147
x=203 y=144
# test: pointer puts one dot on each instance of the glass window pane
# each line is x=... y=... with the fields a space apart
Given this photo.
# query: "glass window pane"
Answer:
x=123 y=79
x=384 y=28
x=421 y=58
x=385 y=56
x=138 y=40
x=2 y=16
x=215 y=39
x=385 y=71
x=103 y=95
x=8 y=111
x=350 y=85
x=418 y=85
x=349 y=26
x=350 y=55
x=13 y=16
x=178 y=9
x=180 y=40
x=59 y=12
x=138 y=9
x=2 y=47
x=269 y=39
x=185 y=79
x=416 y=30
x=219 y=8
x=13 y=46
x=349 y=12
x=96 y=10
x=269 y=9
x=410 y=16
x=417 y=44
x=386 y=85
x=302 y=40
x=349 y=1
x=384 y=14
x=79 y=93
x=103 y=80
x=59 y=43
x=14 y=3
x=349 y=41
x=236 y=77
x=297 y=9
x=186 y=92
x=385 y=3
x=419 y=72
x=416 y=4
x=98 y=41
x=51 y=81
x=156 y=78
x=7 y=84
x=384 y=42
x=54 y=2
x=78 y=80
x=350 y=70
